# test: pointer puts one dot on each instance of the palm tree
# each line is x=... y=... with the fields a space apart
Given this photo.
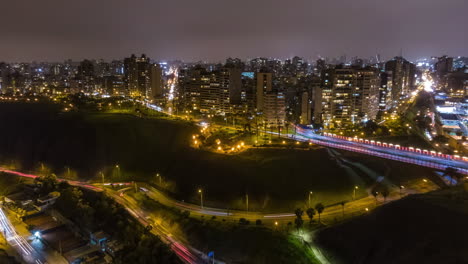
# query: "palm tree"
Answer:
x=310 y=212
x=375 y=193
x=299 y=212
x=298 y=220
x=319 y=207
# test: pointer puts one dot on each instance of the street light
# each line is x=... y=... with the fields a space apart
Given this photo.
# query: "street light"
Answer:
x=354 y=192
x=201 y=197
x=310 y=194
x=247 y=201
x=118 y=170
x=159 y=176
x=102 y=176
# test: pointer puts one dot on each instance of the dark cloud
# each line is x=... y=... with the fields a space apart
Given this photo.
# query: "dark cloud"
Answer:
x=214 y=29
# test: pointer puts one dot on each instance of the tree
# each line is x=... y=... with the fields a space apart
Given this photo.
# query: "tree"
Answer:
x=299 y=212
x=375 y=193
x=46 y=183
x=310 y=213
x=319 y=207
x=298 y=220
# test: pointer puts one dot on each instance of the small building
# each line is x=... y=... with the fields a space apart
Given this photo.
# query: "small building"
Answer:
x=113 y=247
x=48 y=200
x=99 y=238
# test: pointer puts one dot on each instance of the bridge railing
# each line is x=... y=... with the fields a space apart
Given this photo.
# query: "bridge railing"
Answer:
x=388 y=156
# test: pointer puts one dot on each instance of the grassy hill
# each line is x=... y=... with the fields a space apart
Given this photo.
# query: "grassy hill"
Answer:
x=84 y=143
x=428 y=228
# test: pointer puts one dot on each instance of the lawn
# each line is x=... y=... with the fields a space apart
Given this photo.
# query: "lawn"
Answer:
x=232 y=242
x=86 y=143
x=428 y=228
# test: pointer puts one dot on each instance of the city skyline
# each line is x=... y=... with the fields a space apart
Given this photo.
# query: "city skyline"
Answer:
x=212 y=31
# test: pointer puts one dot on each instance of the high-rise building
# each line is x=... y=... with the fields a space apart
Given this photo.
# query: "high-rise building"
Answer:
x=349 y=95
x=443 y=66
x=86 y=69
x=403 y=80
x=274 y=108
x=264 y=84
x=457 y=83
x=136 y=71
x=156 y=82
x=306 y=109
x=217 y=92
x=113 y=84
x=385 y=91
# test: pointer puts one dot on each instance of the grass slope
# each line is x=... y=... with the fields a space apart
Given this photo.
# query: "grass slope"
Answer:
x=428 y=228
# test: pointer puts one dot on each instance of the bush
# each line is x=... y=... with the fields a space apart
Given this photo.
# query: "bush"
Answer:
x=258 y=222
x=186 y=214
x=244 y=221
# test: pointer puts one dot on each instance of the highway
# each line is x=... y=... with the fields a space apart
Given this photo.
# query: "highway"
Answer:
x=387 y=151
x=185 y=252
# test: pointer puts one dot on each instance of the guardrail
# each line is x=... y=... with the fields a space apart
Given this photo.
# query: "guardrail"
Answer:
x=388 y=156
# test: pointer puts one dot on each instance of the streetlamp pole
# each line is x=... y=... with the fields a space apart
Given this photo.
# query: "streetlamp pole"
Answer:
x=118 y=170
x=159 y=176
x=201 y=197
x=247 y=201
x=354 y=192
x=310 y=194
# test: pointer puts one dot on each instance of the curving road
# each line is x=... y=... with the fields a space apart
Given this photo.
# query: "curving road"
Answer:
x=185 y=252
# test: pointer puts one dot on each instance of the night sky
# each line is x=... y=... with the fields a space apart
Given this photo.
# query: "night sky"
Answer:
x=53 y=30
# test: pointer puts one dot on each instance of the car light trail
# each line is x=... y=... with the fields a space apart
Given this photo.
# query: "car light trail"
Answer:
x=16 y=241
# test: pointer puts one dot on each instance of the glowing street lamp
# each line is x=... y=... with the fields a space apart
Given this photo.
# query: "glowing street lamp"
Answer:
x=310 y=194
x=354 y=192
x=200 y=191
x=159 y=176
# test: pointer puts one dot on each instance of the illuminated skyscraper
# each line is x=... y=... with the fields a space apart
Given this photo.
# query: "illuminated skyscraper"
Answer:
x=136 y=71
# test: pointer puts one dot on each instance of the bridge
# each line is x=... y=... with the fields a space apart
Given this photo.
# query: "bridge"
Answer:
x=421 y=157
